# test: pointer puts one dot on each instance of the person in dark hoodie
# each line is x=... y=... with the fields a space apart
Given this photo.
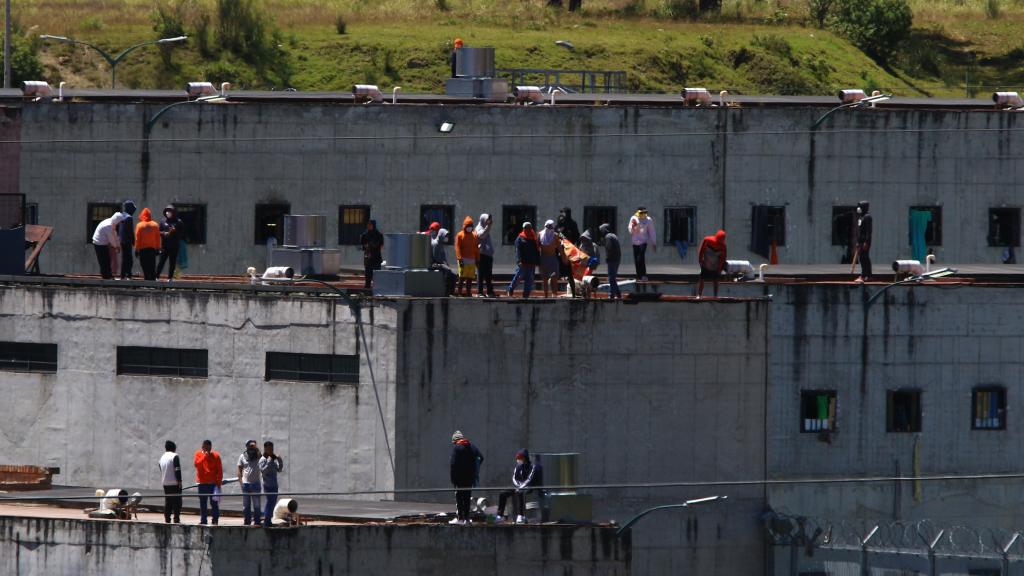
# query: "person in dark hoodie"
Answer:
x=586 y=244
x=372 y=242
x=126 y=232
x=612 y=258
x=527 y=258
x=464 y=469
x=865 y=227
x=171 y=230
x=525 y=477
x=147 y=243
x=569 y=230
x=439 y=260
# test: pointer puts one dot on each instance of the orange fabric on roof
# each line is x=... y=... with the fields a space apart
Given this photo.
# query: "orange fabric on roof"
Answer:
x=147 y=232
x=466 y=244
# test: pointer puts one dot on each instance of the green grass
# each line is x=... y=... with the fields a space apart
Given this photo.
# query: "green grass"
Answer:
x=406 y=42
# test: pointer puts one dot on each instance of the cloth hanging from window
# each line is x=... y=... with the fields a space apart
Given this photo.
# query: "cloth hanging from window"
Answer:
x=919 y=220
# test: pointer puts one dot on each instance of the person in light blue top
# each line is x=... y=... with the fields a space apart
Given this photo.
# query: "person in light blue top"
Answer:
x=270 y=465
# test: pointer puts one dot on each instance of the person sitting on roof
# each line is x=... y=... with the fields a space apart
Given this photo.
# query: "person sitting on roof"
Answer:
x=526 y=477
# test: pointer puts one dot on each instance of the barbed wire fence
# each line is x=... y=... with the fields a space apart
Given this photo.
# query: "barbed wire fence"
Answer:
x=805 y=546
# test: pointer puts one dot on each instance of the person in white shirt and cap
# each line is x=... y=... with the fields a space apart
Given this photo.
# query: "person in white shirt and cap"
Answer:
x=108 y=244
x=641 y=231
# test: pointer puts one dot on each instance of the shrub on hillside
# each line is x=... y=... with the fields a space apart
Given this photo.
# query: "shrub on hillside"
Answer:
x=877 y=27
x=25 y=64
x=819 y=10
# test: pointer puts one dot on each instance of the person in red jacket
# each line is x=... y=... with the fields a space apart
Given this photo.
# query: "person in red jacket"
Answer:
x=467 y=252
x=711 y=256
x=209 y=476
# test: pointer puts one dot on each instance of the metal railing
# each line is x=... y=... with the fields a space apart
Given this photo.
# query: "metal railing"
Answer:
x=589 y=81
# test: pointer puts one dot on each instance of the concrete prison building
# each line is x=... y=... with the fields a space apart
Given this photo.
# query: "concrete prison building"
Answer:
x=796 y=380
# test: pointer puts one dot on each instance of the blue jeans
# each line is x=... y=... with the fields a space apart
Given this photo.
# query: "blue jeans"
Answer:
x=207 y=489
x=251 y=504
x=526 y=273
x=613 y=283
x=268 y=511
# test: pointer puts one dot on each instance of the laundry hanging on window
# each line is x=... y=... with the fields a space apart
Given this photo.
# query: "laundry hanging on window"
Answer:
x=919 y=220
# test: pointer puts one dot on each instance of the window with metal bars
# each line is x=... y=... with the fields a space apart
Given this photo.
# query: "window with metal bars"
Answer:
x=143 y=361
x=334 y=368
x=28 y=357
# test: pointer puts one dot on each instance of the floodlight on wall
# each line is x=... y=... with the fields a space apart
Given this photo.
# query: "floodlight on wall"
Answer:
x=446 y=127
x=36 y=89
x=528 y=94
x=696 y=96
x=912 y=267
x=367 y=93
x=739 y=268
x=199 y=89
x=1007 y=100
x=851 y=96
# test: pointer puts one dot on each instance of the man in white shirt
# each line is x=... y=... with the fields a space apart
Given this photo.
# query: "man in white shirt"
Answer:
x=107 y=244
x=641 y=231
x=170 y=472
x=249 y=477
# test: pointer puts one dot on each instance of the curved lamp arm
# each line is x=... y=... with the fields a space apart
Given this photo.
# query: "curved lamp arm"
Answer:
x=686 y=504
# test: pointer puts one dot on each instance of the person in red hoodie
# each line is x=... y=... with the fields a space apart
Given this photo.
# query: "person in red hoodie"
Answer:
x=147 y=243
x=711 y=255
x=467 y=252
x=209 y=476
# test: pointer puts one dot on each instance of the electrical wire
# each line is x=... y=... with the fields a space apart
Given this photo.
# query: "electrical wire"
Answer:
x=610 y=486
x=378 y=138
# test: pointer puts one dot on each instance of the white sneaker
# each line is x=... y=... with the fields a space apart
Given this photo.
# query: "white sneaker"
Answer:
x=520 y=519
x=499 y=519
x=455 y=521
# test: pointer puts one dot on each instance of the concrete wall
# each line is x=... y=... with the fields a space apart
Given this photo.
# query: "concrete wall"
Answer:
x=721 y=161
x=663 y=392
x=55 y=547
x=101 y=428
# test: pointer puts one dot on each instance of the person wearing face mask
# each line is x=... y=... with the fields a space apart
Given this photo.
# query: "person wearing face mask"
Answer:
x=249 y=476
x=467 y=253
x=485 y=276
x=526 y=476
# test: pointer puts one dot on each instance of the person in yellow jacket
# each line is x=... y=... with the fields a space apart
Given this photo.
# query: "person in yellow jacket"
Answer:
x=467 y=252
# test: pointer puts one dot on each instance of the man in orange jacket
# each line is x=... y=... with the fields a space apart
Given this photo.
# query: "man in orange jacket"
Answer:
x=209 y=476
x=467 y=252
x=147 y=243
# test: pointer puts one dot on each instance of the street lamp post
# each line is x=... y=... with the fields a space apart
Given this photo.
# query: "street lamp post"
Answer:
x=113 y=60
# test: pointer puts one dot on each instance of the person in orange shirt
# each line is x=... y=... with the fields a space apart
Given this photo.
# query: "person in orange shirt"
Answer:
x=467 y=252
x=209 y=476
x=147 y=243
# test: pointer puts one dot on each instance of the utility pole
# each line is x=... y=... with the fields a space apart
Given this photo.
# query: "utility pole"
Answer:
x=7 y=43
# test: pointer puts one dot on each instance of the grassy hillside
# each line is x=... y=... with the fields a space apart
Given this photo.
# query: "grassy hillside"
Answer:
x=753 y=47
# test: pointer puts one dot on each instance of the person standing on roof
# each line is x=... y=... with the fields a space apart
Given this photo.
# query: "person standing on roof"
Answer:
x=372 y=242
x=171 y=233
x=439 y=260
x=525 y=477
x=249 y=477
x=467 y=252
x=711 y=256
x=147 y=243
x=107 y=243
x=209 y=477
x=588 y=247
x=170 y=472
x=485 y=271
x=613 y=257
x=453 y=59
x=550 y=258
x=641 y=231
x=270 y=466
x=527 y=258
x=567 y=228
x=865 y=227
x=464 y=469
x=126 y=234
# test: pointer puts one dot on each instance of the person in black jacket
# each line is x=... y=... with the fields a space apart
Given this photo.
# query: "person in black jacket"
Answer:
x=372 y=242
x=525 y=477
x=567 y=227
x=612 y=258
x=171 y=232
x=464 y=470
x=864 y=229
x=527 y=258
x=126 y=233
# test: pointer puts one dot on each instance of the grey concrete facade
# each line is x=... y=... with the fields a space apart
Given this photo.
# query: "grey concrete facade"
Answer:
x=57 y=547
x=392 y=158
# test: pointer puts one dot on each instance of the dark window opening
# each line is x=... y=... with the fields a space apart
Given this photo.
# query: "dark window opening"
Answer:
x=28 y=357
x=844 y=225
x=903 y=411
x=313 y=367
x=443 y=214
x=32 y=213
x=1004 y=227
x=12 y=211
x=352 y=223
x=594 y=216
x=931 y=218
x=681 y=225
x=984 y=572
x=512 y=218
x=767 y=228
x=270 y=222
x=183 y=362
x=98 y=212
x=817 y=410
x=193 y=217
x=988 y=407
